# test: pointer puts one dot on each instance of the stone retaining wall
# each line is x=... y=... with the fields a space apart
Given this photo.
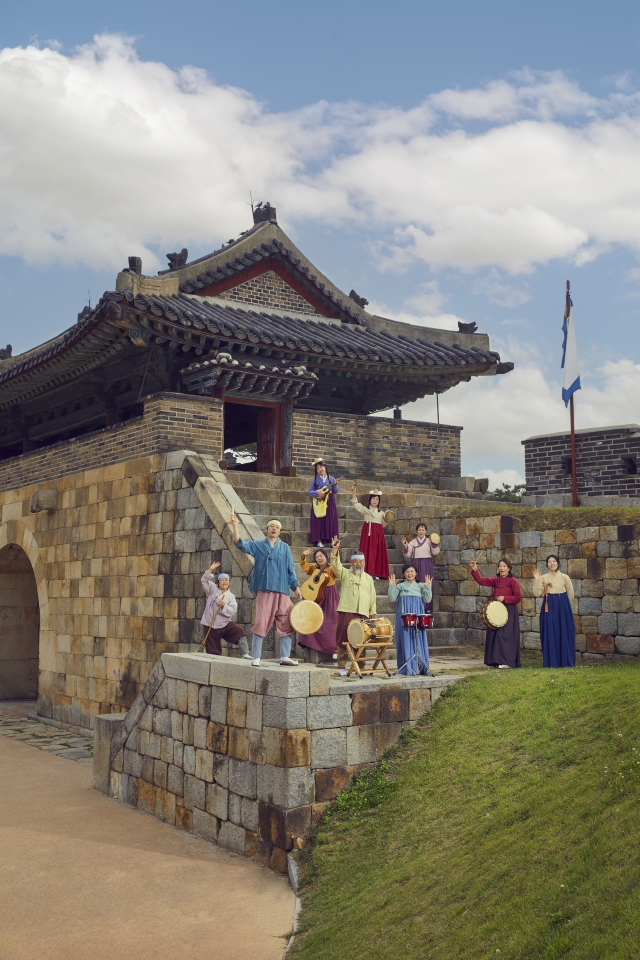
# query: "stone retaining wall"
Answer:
x=249 y=757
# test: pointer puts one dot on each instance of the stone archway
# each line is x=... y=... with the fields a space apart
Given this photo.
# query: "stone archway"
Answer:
x=19 y=625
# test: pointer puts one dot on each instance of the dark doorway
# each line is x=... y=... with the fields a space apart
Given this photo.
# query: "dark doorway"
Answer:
x=251 y=436
x=19 y=626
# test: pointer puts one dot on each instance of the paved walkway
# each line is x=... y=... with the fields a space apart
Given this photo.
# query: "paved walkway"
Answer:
x=84 y=876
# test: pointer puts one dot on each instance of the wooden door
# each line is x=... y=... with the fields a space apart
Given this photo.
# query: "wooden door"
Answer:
x=267 y=440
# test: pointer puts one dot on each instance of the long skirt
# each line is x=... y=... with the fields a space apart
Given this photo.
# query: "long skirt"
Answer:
x=324 y=528
x=503 y=645
x=374 y=547
x=409 y=638
x=324 y=639
x=558 y=632
x=425 y=568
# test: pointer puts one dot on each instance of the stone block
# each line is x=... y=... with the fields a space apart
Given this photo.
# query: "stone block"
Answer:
x=200 y=725
x=231 y=837
x=622 y=604
x=194 y=667
x=232 y=672
x=204 y=701
x=319 y=683
x=598 y=643
x=184 y=818
x=419 y=703
x=221 y=769
x=162 y=722
x=166 y=750
x=249 y=817
x=361 y=744
x=328 y=748
x=577 y=569
x=254 y=711
x=450 y=543
x=278 y=861
x=629 y=624
x=589 y=549
x=176 y=725
x=105 y=728
x=615 y=568
x=590 y=606
x=217 y=801
x=529 y=539
x=280 y=827
x=192 y=699
x=394 y=705
x=132 y=764
x=182 y=696
x=589 y=624
x=608 y=624
x=218 y=704
x=276 y=682
x=633 y=567
x=325 y=712
x=331 y=781
x=603 y=548
x=365 y=707
x=237 y=708
x=147 y=769
x=187 y=729
x=235 y=809
x=629 y=646
x=242 y=778
x=285 y=787
x=465 y=604
x=175 y=780
x=205 y=826
x=155 y=745
x=531 y=641
x=591 y=588
x=217 y=737
x=160 y=774
x=204 y=765
x=146 y=720
x=239 y=743
x=194 y=793
x=285 y=748
x=565 y=536
x=285 y=713
x=189 y=760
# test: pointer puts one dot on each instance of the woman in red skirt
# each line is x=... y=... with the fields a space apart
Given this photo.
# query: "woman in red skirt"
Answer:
x=372 y=542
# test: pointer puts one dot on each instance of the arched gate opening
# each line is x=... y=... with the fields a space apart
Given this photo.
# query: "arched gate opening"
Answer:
x=19 y=626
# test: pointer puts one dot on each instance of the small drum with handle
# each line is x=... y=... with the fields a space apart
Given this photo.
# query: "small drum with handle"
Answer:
x=306 y=617
x=494 y=614
x=377 y=629
x=409 y=619
x=435 y=538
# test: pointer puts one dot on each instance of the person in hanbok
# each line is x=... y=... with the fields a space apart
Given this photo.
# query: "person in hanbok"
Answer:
x=502 y=646
x=410 y=596
x=323 y=639
x=372 y=542
x=323 y=520
x=420 y=551
x=557 y=626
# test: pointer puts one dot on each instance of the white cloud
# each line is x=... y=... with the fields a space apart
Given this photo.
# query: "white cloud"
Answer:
x=422 y=309
x=497 y=478
x=104 y=155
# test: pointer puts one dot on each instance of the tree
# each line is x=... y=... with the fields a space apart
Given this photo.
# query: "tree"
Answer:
x=509 y=494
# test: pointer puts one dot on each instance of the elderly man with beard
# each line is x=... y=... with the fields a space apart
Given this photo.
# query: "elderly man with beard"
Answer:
x=272 y=578
x=357 y=595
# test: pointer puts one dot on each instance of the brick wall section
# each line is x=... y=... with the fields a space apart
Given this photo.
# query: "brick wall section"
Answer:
x=377 y=447
x=250 y=758
x=171 y=421
x=601 y=470
x=269 y=290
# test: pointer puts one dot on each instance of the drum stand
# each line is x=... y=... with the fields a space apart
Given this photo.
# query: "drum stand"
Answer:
x=419 y=659
x=356 y=652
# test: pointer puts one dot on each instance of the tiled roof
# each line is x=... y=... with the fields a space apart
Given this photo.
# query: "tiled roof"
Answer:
x=267 y=251
x=307 y=335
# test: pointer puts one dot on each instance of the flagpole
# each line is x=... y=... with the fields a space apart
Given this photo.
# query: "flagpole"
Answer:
x=574 y=467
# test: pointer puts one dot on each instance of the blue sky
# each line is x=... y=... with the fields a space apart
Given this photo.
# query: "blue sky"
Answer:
x=448 y=161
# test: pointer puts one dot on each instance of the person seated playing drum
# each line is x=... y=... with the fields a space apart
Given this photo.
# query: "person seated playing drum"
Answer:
x=357 y=596
x=502 y=645
x=323 y=639
x=410 y=598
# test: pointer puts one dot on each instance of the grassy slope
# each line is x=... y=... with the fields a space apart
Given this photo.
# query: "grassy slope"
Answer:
x=550 y=518
x=510 y=828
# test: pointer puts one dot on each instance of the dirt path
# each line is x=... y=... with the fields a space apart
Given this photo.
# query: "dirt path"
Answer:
x=83 y=876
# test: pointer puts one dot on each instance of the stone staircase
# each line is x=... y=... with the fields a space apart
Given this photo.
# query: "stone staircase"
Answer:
x=286 y=499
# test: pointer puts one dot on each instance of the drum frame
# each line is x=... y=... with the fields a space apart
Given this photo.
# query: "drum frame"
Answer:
x=358 y=657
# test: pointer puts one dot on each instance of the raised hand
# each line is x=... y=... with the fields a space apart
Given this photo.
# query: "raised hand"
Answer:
x=537 y=574
x=392 y=579
x=353 y=489
x=473 y=565
x=307 y=552
x=428 y=579
x=214 y=566
x=404 y=541
x=234 y=519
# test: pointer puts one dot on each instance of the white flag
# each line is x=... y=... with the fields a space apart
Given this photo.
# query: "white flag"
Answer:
x=570 y=367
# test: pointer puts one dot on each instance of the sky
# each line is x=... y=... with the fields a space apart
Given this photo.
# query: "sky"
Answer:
x=448 y=161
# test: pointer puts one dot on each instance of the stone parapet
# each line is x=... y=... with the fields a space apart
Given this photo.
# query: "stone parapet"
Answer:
x=249 y=757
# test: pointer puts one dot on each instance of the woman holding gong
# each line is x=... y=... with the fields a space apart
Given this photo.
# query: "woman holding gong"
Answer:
x=323 y=521
x=557 y=626
x=323 y=639
x=502 y=646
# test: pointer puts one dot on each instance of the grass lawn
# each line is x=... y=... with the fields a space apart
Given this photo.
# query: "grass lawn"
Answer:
x=506 y=825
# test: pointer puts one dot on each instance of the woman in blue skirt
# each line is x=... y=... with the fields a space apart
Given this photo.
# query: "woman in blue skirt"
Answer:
x=411 y=597
x=557 y=626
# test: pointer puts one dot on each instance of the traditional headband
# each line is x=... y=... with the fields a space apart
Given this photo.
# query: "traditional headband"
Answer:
x=224 y=576
x=375 y=493
x=357 y=556
x=275 y=523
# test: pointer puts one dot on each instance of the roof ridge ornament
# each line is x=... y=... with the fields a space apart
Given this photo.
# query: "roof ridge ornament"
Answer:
x=264 y=213
x=177 y=260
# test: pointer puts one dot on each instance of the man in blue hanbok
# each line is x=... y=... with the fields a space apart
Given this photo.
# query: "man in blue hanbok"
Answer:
x=272 y=578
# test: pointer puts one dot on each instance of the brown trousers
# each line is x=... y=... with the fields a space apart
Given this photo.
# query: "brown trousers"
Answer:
x=231 y=633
